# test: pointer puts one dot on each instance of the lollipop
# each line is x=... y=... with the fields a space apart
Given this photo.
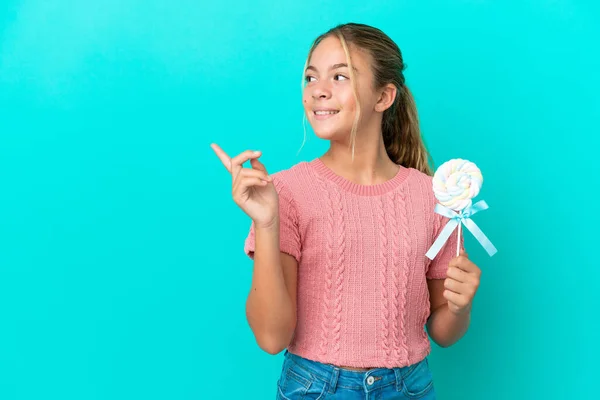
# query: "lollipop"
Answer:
x=455 y=184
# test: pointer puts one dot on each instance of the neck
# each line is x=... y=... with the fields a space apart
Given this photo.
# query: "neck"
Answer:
x=371 y=164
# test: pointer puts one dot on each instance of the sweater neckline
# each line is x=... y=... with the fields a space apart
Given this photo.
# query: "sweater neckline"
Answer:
x=356 y=188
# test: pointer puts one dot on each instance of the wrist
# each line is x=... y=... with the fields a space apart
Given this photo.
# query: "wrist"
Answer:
x=268 y=225
x=461 y=312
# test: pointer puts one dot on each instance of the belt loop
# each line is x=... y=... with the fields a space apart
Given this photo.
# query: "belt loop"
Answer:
x=334 y=379
x=399 y=379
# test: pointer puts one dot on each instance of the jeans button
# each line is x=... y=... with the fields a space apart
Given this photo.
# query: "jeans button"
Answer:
x=370 y=380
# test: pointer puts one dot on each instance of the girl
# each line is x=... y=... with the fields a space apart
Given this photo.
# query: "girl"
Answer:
x=340 y=279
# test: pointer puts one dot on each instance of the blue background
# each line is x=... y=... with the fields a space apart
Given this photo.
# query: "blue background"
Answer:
x=122 y=273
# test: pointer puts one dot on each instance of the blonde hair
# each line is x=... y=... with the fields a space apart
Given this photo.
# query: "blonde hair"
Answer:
x=400 y=126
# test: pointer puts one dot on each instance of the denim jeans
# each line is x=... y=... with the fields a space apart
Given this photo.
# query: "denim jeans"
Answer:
x=307 y=379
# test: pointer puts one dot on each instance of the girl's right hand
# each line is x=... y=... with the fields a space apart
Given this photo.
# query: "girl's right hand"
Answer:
x=252 y=188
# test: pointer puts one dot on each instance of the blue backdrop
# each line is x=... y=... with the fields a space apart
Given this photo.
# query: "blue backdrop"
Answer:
x=122 y=273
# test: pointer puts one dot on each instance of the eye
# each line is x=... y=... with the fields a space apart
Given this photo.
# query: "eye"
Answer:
x=340 y=77
x=308 y=78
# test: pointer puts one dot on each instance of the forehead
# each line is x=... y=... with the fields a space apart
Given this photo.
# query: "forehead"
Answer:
x=330 y=52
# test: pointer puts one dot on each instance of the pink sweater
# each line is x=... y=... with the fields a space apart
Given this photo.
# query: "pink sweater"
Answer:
x=362 y=272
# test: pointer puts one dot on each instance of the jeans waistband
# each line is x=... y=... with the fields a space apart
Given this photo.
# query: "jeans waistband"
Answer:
x=349 y=379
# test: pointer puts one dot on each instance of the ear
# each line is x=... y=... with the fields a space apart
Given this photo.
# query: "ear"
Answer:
x=387 y=96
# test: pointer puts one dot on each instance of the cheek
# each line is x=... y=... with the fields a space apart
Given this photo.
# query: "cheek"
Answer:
x=305 y=99
x=347 y=100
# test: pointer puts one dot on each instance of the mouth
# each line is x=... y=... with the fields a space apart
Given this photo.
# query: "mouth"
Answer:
x=325 y=114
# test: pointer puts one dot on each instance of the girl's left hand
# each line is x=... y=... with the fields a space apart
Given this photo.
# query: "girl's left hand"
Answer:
x=461 y=283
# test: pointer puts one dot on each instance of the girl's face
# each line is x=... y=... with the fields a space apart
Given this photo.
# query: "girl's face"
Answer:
x=328 y=97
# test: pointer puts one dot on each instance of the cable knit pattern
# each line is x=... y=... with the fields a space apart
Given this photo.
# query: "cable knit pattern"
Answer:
x=326 y=321
x=362 y=289
x=385 y=306
x=398 y=242
x=341 y=263
x=406 y=246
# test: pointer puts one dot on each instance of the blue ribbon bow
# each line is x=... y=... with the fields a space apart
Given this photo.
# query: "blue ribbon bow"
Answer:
x=464 y=218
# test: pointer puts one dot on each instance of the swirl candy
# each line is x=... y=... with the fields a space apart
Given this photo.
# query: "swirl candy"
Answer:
x=456 y=182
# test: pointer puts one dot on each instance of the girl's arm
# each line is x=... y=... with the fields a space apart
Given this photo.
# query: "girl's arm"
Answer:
x=444 y=326
x=451 y=300
x=271 y=304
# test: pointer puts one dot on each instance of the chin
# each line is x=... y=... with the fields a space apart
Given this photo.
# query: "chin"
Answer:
x=332 y=135
x=326 y=134
x=332 y=132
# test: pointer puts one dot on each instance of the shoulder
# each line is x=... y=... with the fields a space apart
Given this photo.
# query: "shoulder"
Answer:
x=419 y=177
x=293 y=178
x=421 y=184
x=293 y=183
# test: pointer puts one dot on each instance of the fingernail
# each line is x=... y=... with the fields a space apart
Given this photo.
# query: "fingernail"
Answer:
x=256 y=152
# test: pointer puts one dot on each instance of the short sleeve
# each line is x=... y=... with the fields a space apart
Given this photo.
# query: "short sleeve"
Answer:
x=438 y=267
x=289 y=232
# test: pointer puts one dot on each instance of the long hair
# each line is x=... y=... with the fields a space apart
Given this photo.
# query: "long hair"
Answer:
x=400 y=125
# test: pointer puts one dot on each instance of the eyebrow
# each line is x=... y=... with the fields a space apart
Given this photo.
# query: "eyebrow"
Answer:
x=334 y=66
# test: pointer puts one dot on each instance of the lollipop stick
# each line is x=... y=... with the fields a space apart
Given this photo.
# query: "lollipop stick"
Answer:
x=458 y=241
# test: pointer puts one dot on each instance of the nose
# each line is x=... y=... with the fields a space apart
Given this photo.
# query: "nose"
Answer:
x=321 y=91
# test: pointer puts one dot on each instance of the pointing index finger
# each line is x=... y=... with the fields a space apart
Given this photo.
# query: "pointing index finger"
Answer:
x=225 y=159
